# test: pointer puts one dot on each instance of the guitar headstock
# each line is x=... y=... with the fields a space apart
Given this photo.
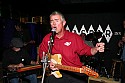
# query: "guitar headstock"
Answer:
x=89 y=72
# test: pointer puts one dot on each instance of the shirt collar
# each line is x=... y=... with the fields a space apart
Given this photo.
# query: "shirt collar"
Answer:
x=65 y=36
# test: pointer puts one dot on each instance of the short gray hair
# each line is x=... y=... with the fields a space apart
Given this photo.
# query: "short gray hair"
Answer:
x=58 y=13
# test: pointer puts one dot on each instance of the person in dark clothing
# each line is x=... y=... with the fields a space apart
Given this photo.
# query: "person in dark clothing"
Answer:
x=22 y=31
x=121 y=45
x=17 y=57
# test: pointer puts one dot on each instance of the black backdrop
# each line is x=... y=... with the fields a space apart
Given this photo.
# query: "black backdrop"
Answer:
x=110 y=24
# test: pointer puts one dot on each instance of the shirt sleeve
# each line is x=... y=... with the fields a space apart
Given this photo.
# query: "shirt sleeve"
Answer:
x=83 y=48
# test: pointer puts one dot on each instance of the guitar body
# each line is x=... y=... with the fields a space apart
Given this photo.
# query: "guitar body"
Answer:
x=56 y=59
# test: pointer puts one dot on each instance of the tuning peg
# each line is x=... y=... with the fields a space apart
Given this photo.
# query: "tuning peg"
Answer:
x=92 y=68
x=86 y=65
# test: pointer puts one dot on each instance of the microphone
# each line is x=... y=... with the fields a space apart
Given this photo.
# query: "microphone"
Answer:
x=53 y=34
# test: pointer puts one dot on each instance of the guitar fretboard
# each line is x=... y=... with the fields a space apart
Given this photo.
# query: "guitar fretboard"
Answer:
x=69 y=68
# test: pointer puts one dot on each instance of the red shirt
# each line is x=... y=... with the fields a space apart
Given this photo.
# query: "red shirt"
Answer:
x=70 y=46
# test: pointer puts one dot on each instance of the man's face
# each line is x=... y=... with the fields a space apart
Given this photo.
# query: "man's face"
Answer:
x=57 y=22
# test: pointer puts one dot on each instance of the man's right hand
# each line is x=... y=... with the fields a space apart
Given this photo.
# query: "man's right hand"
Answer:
x=14 y=67
x=52 y=66
x=20 y=65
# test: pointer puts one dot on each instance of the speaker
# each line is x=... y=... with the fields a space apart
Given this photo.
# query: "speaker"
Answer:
x=101 y=80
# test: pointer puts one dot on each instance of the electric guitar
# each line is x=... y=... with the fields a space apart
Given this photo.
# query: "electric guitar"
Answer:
x=56 y=59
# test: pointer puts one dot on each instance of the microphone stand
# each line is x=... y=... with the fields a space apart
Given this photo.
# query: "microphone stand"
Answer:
x=44 y=61
x=46 y=58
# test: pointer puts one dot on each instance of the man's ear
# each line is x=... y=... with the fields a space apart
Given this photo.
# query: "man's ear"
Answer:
x=64 y=22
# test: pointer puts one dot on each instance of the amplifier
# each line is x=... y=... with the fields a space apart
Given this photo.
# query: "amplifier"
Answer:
x=101 y=80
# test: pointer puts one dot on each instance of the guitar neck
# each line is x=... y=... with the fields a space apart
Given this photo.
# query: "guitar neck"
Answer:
x=69 y=68
x=84 y=70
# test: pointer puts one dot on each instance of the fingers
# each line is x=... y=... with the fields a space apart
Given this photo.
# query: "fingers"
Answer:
x=101 y=47
x=20 y=65
x=52 y=66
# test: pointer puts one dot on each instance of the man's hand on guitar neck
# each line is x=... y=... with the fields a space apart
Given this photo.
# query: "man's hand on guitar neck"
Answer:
x=17 y=65
x=14 y=67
